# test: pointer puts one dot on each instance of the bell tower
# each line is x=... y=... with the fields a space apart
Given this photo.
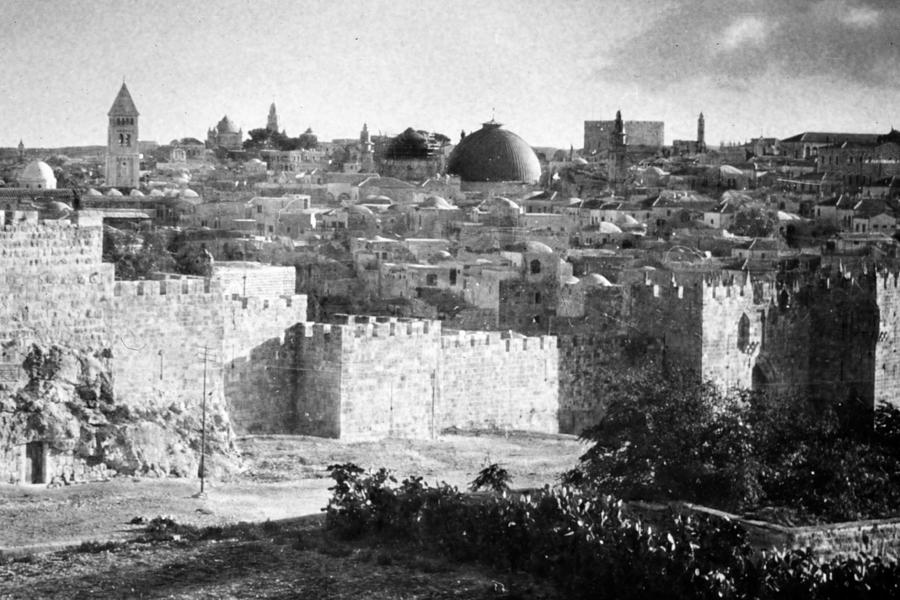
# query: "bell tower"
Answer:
x=701 y=130
x=272 y=121
x=123 y=160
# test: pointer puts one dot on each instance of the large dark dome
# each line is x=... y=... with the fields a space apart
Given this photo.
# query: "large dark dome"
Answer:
x=408 y=145
x=494 y=154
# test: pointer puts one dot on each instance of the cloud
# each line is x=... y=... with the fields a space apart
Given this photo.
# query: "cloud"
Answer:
x=848 y=42
x=745 y=30
x=861 y=16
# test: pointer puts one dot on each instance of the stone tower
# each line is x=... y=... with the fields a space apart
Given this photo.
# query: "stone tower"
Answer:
x=366 y=154
x=617 y=148
x=21 y=151
x=272 y=121
x=123 y=160
x=701 y=132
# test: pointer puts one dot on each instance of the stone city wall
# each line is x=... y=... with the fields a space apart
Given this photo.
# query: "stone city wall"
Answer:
x=373 y=377
x=490 y=380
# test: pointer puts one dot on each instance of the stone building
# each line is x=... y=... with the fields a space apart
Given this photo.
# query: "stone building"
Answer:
x=698 y=146
x=123 y=159
x=597 y=140
x=225 y=135
x=411 y=156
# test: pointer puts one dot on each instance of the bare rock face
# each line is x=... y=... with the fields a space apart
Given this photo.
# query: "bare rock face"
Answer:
x=66 y=398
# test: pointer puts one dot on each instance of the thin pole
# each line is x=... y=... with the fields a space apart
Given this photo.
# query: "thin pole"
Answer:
x=203 y=426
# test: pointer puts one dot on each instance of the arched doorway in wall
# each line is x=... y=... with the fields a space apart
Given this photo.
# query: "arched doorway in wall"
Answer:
x=763 y=376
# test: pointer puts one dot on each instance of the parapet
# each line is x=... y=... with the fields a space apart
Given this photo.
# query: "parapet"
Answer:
x=383 y=327
x=164 y=287
x=506 y=341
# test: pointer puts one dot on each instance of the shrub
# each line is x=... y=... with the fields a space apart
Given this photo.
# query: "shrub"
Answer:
x=675 y=438
x=493 y=477
x=590 y=548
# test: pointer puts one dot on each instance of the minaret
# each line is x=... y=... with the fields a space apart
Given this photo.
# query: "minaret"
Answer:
x=272 y=121
x=366 y=155
x=123 y=160
x=701 y=127
x=21 y=151
x=617 y=148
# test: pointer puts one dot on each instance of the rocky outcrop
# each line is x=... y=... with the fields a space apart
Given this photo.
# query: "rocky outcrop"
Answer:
x=66 y=398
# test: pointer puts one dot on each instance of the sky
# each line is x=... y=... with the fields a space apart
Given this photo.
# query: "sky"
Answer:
x=753 y=67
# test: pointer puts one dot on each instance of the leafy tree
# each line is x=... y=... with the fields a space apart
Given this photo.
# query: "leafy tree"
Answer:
x=135 y=256
x=754 y=222
x=672 y=437
x=308 y=140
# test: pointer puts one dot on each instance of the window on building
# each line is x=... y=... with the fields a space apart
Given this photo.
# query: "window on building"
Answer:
x=537 y=297
x=452 y=276
x=535 y=266
x=259 y=208
x=431 y=279
x=743 y=338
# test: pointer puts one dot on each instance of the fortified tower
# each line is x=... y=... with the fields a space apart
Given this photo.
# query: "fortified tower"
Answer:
x=122 y=157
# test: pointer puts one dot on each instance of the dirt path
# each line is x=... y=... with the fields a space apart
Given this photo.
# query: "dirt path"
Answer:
x=284 y=477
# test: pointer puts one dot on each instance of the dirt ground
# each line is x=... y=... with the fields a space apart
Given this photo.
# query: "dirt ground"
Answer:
x=285 y=553
x=277 y=560
x=283 y=477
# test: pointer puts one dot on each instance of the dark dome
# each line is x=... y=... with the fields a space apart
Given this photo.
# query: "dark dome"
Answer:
x=494 y=154
x=408 y=145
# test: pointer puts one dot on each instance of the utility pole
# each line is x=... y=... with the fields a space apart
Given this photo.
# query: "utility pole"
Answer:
x=202 y=472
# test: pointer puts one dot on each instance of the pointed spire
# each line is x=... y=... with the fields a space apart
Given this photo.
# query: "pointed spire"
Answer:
x=123 y=106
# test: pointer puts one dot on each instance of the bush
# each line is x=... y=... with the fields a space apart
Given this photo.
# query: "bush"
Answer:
x=493 y=477
x=590 y=548
x=673 y=437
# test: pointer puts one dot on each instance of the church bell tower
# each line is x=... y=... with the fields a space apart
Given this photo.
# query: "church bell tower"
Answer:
x=123 y=160
x=701 y=130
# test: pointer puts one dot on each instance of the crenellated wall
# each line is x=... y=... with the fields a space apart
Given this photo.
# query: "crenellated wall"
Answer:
x=489 y=380
x=373 y=377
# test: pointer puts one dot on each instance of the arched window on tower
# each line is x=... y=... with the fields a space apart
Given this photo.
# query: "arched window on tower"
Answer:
x=743 y=338
x=121 y=139
x=535 y=266
x=128 y=139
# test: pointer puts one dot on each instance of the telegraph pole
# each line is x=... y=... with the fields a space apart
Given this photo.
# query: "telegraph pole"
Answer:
x=203 y=425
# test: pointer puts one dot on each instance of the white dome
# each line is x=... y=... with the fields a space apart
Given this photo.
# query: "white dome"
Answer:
x=38 y=175
x=189 y=193
x=136 y=193
x=93 y=192
x=595 y=279
x=113 y=192
x=607 y=227
x=538 y=248
x=156 y=193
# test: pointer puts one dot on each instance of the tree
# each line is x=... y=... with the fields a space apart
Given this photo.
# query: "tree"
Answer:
x=754 y=222
x=672 y=437
x=135 y=256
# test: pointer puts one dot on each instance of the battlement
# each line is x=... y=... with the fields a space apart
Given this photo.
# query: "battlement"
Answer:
x=257 y=304
x=164 y=287
x=505 y=341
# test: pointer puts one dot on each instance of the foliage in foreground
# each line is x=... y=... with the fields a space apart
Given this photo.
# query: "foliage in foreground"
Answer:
x=588 y=546
x=674 y=438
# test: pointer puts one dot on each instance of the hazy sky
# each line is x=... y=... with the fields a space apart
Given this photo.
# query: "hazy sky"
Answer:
x=773 y=67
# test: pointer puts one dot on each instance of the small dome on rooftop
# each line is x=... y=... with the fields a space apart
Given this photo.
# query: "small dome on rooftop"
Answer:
x=113 y=192
x=538 y=248
x=38 y=175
